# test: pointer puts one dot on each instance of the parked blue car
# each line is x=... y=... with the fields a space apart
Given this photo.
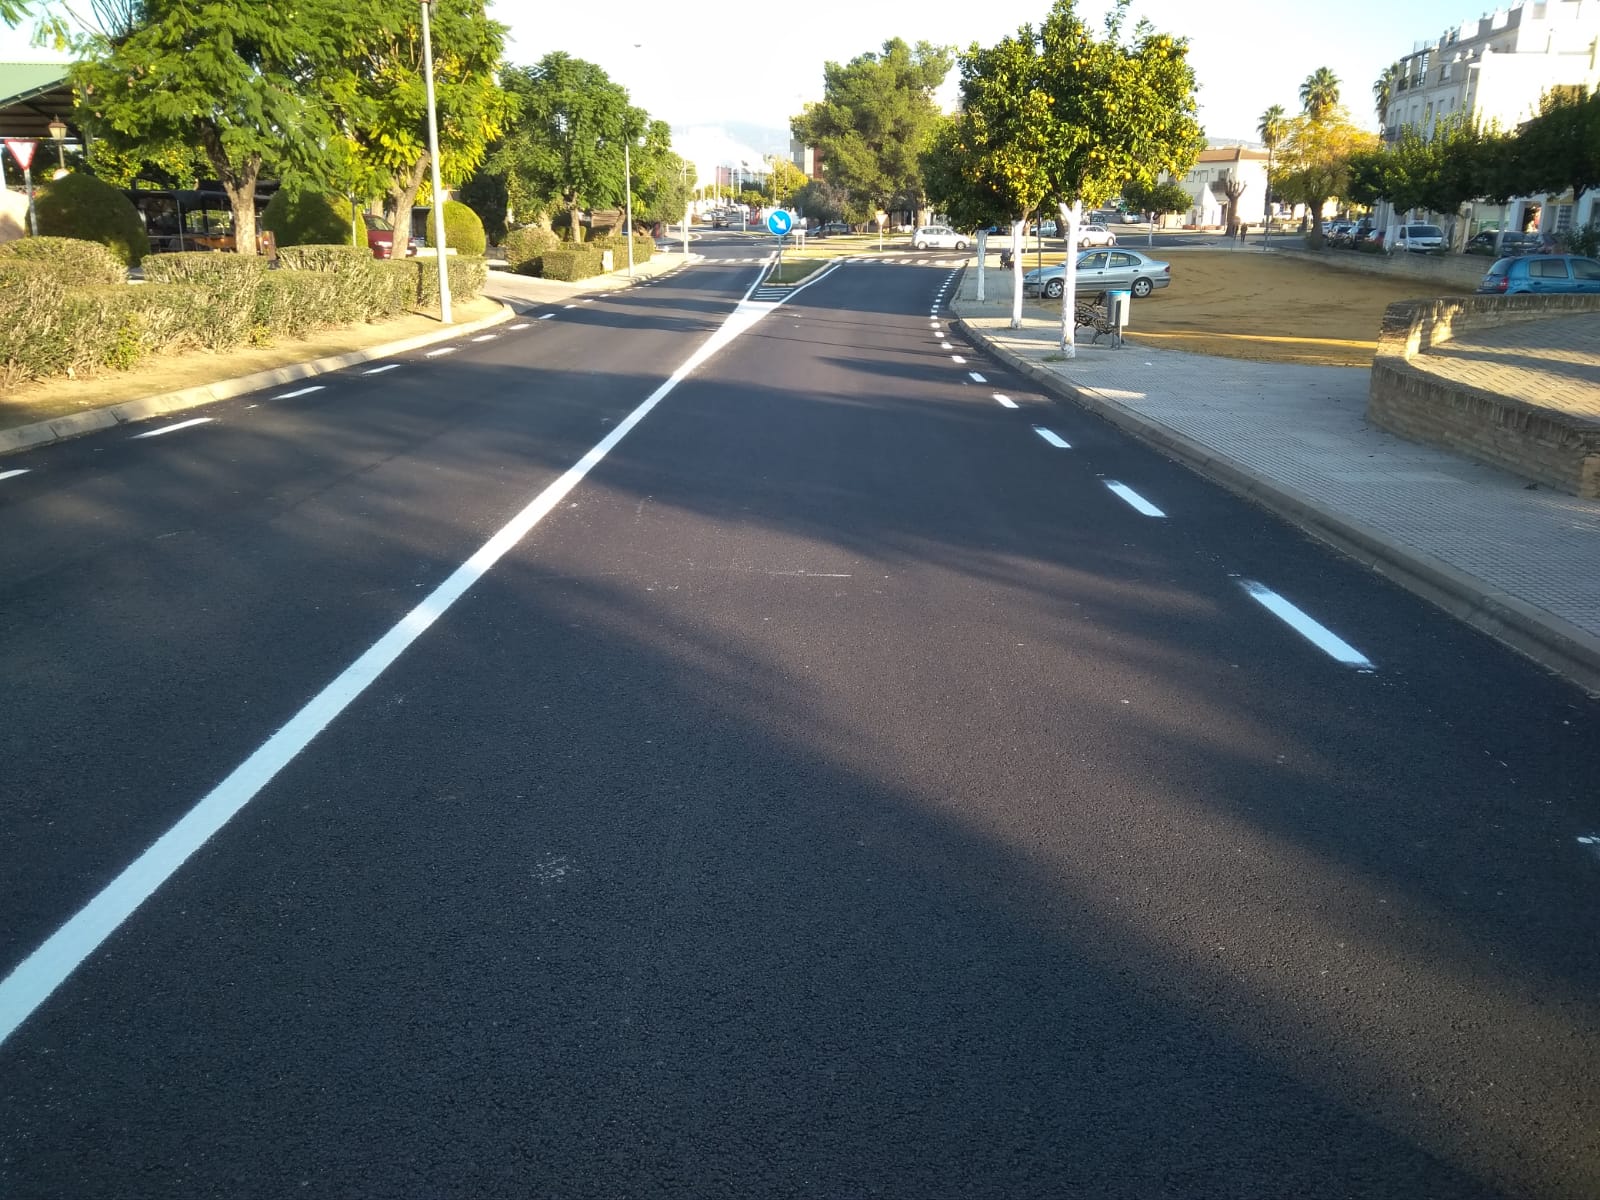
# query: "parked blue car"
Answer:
x=1542 y=274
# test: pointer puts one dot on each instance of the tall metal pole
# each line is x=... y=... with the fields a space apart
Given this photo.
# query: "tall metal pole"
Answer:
x=627 y=187
x=433 y=155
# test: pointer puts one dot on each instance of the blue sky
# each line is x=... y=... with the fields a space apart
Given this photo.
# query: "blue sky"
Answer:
x=728 y=76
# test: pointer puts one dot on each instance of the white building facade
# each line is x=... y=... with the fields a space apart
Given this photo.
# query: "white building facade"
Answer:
x=1209 y=177
x=1496 y=70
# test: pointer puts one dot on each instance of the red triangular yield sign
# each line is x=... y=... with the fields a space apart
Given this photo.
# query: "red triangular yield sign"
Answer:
x=22 y=150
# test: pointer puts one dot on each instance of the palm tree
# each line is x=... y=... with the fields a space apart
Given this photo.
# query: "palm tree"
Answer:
x=1273 y=129
x=1383 y=89
x=1319 y=94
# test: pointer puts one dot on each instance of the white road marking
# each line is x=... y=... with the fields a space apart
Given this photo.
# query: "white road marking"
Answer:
x=33 y=980
x=1134 y=500
x=1005 y=401
x=382 y=369
x=1318 y=635
x=305 y=391
x=1052 y=437
x=546 y=316
x=976 y=378
x=569 y=306
x=150 y=433
x=590 y=300
x=437 y=353
x=485 y=337
x=517 y=326
x=14 y=474
x=957 y=359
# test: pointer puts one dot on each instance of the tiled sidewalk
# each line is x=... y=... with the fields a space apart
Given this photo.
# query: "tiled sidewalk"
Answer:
x=1555 y=363
x=1523 y=564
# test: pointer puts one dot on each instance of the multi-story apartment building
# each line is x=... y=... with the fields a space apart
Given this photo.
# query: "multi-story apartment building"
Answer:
x=1496 y=70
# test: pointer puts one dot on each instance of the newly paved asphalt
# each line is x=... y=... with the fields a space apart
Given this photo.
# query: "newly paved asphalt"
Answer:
x=842 y=791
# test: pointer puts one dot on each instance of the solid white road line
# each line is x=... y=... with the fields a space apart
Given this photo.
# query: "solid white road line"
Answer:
x=382 y=369
x=546 y=316
x=305 y=391
x=976 y=378
x=1318 y=635
x=32 y=981
x=1005 y=401
x=1134 y=500
x=437 y=353
x=1053 y=438
x=14 y=474
x=150 y=433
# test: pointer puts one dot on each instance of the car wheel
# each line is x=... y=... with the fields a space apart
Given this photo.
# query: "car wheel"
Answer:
x=961 y=245
x=1142 y=288
x=1112 y=240
x=1054 y=288
x=919 y=245
x=1083 y=243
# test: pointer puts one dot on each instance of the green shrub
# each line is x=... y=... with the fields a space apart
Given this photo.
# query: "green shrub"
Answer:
x=75 y=262
x=294 y=304
x=308 y=218
x=463 y=231
x=643 y=247
x=394 y=288
x=525 y=247
x=230 y=280
x=467 y=277
x=341 y=257
x=81 y=206
x=572 y=264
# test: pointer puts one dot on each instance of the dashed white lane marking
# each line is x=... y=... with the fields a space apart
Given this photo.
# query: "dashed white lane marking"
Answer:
x=976 y=378
x=1317 y=634
x=305 y=391
x=569 y=306
x=944 y=345
x=1049 y=435
x=590 y=300
x=1005 y=401
x=485 y=337
x=382 y=369
x=517 y=326
x=546 y=316
x=32 y=981
x=958 y=360
x=1135 y=501
x=14 y=474
x=150 y=433
x=442 y=350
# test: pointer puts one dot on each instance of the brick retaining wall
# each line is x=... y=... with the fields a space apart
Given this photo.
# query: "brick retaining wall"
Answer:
x=1536 y=442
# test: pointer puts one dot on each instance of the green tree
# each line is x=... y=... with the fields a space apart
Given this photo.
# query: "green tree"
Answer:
x=1314 y=166
x=875 y=119
x=786 y=178
x=1167 y=196
x=564 y=148
x=820 y=201
x=1057 y=113
x=1319 y=94
x=1273 y=128
x=1559 y=150
x=1383 y=90
x=385 y=116
x=232 y=77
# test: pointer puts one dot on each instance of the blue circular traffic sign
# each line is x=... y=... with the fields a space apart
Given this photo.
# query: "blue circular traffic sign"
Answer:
x=778 y=222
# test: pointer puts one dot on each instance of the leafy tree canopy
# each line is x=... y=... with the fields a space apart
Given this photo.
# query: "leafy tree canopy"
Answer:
x=875 y=119
x=1168 y=196
x=1313 y=164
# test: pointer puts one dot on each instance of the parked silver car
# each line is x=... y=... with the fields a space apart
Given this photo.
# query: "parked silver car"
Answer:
x=939 y=237
x=1099 y=271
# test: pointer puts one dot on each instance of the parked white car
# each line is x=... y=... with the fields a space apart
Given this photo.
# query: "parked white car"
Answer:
x=1095 y=235
x=1417 y=238
x=939 y=237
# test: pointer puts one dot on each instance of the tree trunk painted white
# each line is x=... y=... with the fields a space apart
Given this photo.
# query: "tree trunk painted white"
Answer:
x=1016 y=274
x=983 y=249
x=1071 y=221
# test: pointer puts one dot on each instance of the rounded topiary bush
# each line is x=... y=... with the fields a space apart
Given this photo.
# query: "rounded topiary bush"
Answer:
x=307 y=219
x=73 y=262
x=526 y=247
x=81 y=206
x=463 y=231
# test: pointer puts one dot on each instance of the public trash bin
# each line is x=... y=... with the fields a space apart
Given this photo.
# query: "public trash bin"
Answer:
x=1119 y=304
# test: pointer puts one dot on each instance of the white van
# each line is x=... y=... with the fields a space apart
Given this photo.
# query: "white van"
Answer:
x=1419 y=238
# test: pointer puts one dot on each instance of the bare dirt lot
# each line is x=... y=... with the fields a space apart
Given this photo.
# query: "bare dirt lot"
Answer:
x=158 y=376
x=1250 y=304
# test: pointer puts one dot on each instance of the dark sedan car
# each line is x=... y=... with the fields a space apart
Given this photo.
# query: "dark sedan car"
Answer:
x=1511 y=242
x=1542 y=274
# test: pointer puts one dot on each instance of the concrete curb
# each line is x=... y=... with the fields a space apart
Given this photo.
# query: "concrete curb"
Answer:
x=1553 y=643
x=41 y=433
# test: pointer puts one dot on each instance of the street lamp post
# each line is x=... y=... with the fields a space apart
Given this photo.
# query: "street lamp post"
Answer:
x=433 y=155
x=627 y=189
x=58 y=134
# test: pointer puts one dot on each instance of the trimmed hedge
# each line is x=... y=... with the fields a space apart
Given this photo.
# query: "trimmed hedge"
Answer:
x=307 y=218
x=463 y=230
x=526 y=247
x=81 y=206
x=230 y=280
x=467 y=277
x=572 y=264
x=76 y=263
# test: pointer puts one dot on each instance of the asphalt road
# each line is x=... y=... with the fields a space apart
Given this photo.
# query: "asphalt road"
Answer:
x=841 y=789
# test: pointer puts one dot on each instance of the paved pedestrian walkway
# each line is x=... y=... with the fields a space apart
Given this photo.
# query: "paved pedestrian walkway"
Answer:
x=1554 y=363
x=1522 y=563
